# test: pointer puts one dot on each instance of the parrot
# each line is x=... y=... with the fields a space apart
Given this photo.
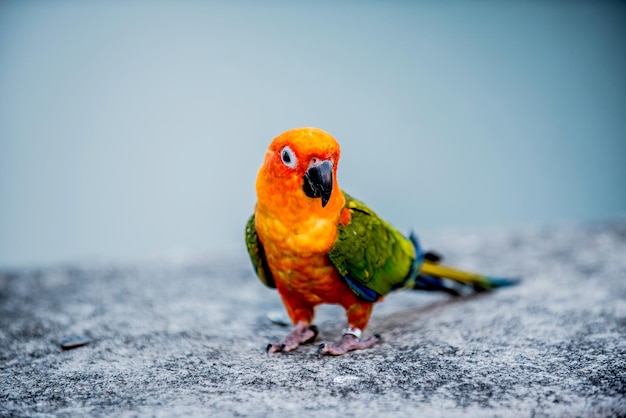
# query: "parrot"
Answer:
x=316 y=244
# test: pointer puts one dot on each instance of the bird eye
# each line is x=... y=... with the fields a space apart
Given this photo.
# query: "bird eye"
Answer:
x=288 y=157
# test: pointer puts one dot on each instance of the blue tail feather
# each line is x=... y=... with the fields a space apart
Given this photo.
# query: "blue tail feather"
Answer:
x=496 y=282
x=418 y=281
x=432 y=283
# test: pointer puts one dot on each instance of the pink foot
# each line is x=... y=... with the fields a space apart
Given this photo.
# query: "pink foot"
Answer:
x=303 y=333
x=350 y=341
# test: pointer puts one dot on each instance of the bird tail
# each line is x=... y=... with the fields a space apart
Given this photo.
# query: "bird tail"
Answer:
x=434 y=276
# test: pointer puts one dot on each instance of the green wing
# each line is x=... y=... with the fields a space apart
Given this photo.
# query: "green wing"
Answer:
x=257 y=254
x=371 y=252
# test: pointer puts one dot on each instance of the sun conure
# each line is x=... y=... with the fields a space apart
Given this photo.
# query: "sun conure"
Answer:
x=316 y=244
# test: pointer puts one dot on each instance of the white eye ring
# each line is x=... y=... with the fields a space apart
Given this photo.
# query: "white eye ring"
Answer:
x=288 y=157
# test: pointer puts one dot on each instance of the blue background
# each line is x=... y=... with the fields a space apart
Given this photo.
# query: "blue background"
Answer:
x=130 y=130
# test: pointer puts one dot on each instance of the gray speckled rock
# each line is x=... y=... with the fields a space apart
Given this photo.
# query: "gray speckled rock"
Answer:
x=188 y=338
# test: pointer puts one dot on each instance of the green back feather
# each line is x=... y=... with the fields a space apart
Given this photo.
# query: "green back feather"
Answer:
x=370 y=251
x=257 y=254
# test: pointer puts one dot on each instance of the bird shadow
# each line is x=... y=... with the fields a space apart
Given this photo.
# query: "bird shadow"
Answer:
x=393 y=319
x=397 y=313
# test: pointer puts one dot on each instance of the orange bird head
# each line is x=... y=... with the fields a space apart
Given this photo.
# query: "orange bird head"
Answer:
x=300 y=173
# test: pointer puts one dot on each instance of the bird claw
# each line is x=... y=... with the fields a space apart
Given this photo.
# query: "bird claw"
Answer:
x=273 y=348
x=315 y=331
x=320 y=350
x=302 y=334
x=348 y=343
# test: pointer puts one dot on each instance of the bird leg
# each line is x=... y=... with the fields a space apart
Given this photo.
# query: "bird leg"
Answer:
x=303 y=333
x=351 y=340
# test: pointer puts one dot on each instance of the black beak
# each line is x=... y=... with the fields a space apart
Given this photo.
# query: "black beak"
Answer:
x=318 y=181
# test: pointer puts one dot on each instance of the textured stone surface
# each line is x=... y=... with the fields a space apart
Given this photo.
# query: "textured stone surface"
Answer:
x=188 y=338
